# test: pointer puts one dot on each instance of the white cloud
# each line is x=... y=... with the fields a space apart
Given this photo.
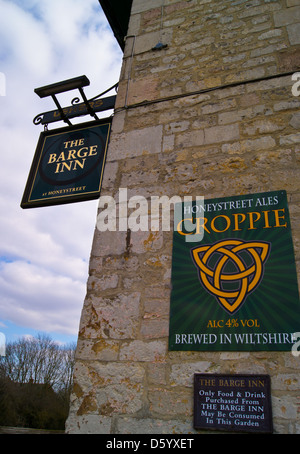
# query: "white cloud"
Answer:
x=44 y=252
x=25 y=42
x=37 y=298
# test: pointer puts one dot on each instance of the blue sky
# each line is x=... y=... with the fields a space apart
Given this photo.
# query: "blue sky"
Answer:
x=44 y=252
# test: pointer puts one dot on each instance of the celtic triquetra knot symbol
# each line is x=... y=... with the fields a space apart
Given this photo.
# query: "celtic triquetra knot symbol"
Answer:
x=231 y=269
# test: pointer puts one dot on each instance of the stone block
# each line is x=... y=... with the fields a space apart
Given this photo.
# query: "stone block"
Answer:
x=290 y=139
x=116 y=317
x=287 y=16
x=289 y=60
x=190 y=139
x=88 y=424
x=135 y=143
x=98 y=284
x=109 y=243
x=145 y=42
x=120 y=387
x=183 y=374
x=142 y=242
x=145 y=89
x=221 y=134
x=118 y=122
x=124 y=397
x=143 y=5
x=97 y=350
x=154 y=328
x=164 y=402
x=295 y=121
x=258 y=144
x=287 y=381
x=294 y=33
x=284 y=407
x=109 y=175
x=143 y=351
x=138 y=177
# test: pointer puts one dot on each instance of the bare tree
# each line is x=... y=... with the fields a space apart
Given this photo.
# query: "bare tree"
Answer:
x=39 y=360
x=35 y=383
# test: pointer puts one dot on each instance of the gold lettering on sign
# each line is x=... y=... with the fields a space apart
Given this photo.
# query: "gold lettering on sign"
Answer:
x=73 y=157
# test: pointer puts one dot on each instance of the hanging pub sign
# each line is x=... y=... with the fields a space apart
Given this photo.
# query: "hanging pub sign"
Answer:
x=68 y=165
x=236 y=289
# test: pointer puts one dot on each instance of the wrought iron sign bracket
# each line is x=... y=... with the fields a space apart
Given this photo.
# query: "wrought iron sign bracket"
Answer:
x=87 y=107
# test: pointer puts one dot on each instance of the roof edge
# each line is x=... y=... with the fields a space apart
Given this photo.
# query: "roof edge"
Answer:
x=117 y=13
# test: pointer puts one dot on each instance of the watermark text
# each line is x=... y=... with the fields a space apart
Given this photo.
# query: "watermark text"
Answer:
x=296 y=85
x=139 y=214
x=2 y=84
x=296 y=345
x=2 y=344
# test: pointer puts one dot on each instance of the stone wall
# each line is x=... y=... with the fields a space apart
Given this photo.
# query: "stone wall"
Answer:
x=211 y=114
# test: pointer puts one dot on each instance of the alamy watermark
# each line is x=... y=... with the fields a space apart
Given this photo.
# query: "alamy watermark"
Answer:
x=296 y=92
x=2 y=84
x=2 y=344
x=296 y=345
x=139 y=214
x=296 y=85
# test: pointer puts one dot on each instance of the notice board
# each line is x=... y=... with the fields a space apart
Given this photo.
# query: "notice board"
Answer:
x=234 y=402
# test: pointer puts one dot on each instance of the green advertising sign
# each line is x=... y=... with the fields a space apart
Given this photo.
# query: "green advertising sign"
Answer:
x=68 y=165
x=236 y=289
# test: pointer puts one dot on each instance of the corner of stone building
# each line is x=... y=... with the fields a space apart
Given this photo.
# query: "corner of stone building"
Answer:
x=211 y=114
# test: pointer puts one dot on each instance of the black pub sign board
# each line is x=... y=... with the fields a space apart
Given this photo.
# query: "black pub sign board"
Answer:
x=237 y=403
x=68 y=165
